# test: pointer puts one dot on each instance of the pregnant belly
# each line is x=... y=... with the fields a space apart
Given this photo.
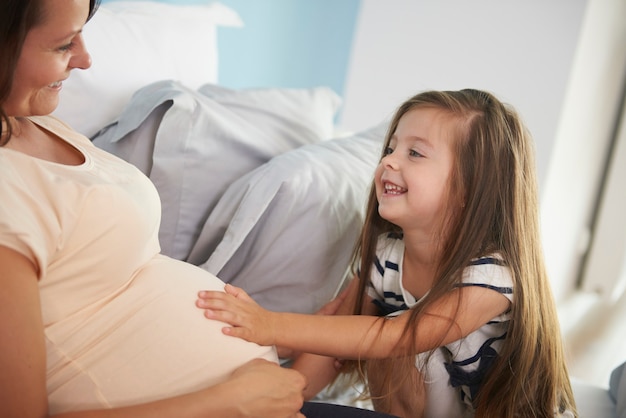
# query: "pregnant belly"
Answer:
x=147 y=342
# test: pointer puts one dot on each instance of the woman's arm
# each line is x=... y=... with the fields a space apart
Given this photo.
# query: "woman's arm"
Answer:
x=257 y=389
x=354 y=336
x=23 y=349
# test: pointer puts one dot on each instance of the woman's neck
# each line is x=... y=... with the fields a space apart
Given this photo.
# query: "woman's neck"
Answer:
x=32 y=140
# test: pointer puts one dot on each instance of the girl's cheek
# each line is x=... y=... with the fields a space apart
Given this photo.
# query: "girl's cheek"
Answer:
x=378 y=172
x=377 y=184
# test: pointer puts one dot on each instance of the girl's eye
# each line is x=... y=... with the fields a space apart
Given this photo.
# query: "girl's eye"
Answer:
x=388 y=150
x=414 y=153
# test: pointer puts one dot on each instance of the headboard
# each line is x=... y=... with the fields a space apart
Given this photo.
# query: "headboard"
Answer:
x=268 y=51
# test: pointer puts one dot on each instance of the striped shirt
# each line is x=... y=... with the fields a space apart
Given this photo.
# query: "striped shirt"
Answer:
x=467 y=359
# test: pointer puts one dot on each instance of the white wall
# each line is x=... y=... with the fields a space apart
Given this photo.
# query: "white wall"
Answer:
x=588 y=121
x=520 y=50
x=555 y=61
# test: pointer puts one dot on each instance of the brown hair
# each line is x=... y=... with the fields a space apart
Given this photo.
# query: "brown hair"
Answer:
x=494 y=177
x=17 y=18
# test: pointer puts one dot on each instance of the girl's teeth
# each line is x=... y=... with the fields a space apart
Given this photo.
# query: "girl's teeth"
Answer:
x=392 y=188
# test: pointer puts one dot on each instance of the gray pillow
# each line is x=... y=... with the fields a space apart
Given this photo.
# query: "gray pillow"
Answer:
x=194 y=144
x=617 y=389
x=285 y=231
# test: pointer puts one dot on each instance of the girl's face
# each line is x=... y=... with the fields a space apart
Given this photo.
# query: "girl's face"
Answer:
x=51 y=50
x=412 y=178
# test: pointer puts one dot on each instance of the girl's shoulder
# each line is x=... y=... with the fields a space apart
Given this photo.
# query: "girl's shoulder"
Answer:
x=490 y=259
x=489 y=271
x=387 y=239
x=389 y=244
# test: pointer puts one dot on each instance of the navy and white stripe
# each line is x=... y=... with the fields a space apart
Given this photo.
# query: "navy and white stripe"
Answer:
x=468 y=359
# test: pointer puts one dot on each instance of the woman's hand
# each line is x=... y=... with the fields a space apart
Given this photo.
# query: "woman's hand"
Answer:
x=248 y=320
x=266 y=390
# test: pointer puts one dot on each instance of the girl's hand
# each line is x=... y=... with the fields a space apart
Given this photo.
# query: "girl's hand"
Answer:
x=248 y=320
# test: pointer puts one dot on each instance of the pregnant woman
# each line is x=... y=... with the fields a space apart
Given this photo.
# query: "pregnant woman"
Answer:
x=92 y=317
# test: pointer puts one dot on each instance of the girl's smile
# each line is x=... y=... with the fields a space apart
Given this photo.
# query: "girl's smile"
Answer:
x=391 y=189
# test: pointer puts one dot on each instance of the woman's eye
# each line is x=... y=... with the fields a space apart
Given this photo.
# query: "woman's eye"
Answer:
x=67 y=47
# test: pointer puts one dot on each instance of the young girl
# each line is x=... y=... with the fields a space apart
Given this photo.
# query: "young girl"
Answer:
x=454 y=312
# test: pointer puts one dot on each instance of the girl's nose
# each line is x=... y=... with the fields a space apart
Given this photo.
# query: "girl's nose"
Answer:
x=389 y=161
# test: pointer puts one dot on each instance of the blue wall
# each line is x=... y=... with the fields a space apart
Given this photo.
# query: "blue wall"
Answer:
x=286 y=43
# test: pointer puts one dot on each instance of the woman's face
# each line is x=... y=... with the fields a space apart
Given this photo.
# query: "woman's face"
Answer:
x=51 y=50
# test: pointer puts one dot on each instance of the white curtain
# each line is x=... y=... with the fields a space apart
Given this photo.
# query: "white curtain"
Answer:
x=604 y=271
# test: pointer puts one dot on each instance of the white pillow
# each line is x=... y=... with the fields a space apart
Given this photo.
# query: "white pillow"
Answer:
x=134 y=43
x=285 y=231
x=194 y=143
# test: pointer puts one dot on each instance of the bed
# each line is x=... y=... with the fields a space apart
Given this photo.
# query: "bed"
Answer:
x=257 y=185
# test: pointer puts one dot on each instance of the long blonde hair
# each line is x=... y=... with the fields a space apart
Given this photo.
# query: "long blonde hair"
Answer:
x=494 y=175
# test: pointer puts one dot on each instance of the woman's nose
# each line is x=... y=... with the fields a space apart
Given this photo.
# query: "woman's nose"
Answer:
x=81 y=58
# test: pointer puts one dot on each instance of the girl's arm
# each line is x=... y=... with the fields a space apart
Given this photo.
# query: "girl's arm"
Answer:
x=321 y=370
x=330 y=308
x=354 y=336
x=259 y=388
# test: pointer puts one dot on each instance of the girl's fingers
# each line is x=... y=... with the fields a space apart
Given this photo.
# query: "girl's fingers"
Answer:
x=237 y=292
x=231 y=307
x=210 y=302
x=212 y=295
x=232 y=290
x=217 y=315
x=230 y=295
x=239 y=332
x=218 y=300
